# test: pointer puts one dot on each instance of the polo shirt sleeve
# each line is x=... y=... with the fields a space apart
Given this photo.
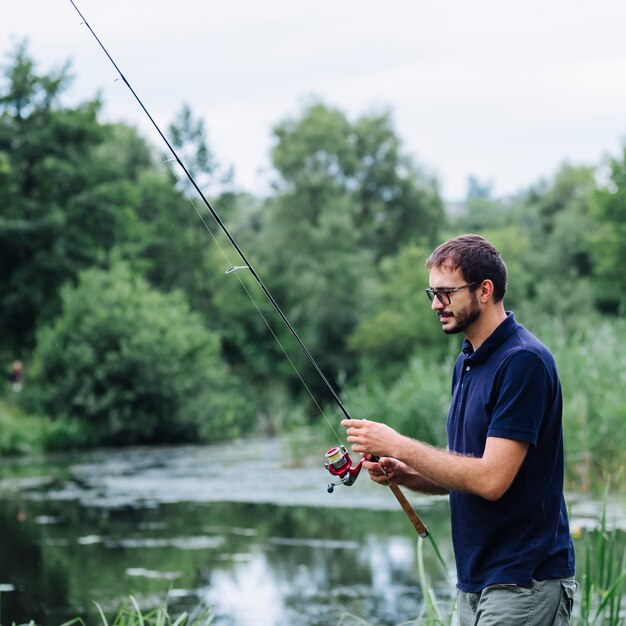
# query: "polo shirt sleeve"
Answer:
x=522 y=390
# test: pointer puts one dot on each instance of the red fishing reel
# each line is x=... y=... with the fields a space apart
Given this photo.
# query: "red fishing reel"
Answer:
x=340 y=464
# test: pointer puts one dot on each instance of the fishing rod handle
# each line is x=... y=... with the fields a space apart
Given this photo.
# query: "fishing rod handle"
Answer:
x=419 y=526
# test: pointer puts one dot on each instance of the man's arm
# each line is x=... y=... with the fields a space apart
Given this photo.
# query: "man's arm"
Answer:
x=386 y=469
x=488 y=476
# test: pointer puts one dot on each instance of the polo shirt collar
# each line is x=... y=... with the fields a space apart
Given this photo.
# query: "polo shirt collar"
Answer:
x=493 y=342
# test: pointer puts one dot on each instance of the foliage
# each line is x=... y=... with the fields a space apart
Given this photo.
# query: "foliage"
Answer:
x=131 y=614
x=347 y=196
x=399 y=322
x=431 y=614
x=188 y=137
x=321 y=289
x=19 y=433
x=591 y=366
x=416 y=404
x=135 y=364
x=607 y=240
x=604 y=576
x=561 y=220
x=64 y=203
x=322 y=154
x=482 y=211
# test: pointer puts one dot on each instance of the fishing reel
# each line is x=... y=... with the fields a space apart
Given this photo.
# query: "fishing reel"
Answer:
x=340 y=464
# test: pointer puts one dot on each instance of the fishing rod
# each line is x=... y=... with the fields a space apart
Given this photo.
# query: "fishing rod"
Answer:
x=339 y=463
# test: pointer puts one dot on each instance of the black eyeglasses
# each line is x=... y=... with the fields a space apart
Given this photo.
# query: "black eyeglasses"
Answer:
x=443 y=295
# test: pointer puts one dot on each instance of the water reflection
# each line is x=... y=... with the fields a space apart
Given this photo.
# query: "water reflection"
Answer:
x=258 y=540
x=293 y=566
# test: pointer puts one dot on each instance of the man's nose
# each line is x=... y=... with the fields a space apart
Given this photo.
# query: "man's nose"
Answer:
x=436 y=304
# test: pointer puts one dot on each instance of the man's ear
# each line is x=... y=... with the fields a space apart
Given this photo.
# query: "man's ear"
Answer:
x=485 y=291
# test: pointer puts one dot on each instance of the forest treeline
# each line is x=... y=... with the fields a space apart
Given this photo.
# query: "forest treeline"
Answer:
x=115 y=297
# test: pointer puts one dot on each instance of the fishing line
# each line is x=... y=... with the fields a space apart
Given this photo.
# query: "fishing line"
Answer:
x=218 y=220
x=232 y=269
x=417 y=523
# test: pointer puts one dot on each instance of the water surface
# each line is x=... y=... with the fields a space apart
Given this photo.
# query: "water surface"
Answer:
x=246 y=529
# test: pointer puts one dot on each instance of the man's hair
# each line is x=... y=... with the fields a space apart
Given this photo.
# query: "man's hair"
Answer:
x=475 y=258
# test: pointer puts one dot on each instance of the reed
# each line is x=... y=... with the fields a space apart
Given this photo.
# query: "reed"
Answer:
x=604 y=576
x=130 y=614
x=430 y=614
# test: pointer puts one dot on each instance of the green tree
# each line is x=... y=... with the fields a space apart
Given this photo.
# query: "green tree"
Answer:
x=65 y=202
x=399 y=322
x=415 y=402
x=133 y=365
x=545 y=245
x=477 y=189
x=607 y=240
x=346 y=198
x=188 y=136
x=322 y=153
x=562 y=259
x=481 y=210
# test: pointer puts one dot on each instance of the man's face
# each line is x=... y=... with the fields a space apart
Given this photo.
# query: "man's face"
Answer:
x=463 y=308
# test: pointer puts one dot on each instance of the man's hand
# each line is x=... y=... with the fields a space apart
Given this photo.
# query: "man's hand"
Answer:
x=376 y=439
x=385 y=469
x=371 y=438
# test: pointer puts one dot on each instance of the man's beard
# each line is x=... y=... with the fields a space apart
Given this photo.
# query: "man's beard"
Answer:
x=464 y=318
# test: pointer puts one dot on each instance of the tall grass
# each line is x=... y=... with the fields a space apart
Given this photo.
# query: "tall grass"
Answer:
x=603 y=581
x=592 y=366
x=130 y=614
x=432 y=613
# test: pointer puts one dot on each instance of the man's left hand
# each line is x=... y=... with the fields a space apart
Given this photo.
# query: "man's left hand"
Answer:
x=371 y=437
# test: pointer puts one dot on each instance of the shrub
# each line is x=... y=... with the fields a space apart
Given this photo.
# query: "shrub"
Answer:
x=19 y=433
x=136 y=365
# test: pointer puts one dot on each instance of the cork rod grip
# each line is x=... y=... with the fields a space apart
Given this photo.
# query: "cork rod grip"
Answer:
x=419 y=526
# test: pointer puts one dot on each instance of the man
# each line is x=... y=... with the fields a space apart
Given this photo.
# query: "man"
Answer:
x=504 y=465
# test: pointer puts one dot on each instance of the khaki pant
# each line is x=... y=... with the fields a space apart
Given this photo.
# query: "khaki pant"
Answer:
x=545 y=603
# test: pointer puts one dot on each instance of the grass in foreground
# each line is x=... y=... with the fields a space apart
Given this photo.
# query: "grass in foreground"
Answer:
x=132 y=615
x=603 y=580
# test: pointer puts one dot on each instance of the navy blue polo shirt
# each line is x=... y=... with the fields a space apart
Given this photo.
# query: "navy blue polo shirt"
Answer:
x=510 y=388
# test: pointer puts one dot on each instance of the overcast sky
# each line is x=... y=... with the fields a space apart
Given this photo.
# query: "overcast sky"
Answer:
x=505 y=90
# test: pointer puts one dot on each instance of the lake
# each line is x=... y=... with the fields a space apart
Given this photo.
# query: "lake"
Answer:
x=247 y=529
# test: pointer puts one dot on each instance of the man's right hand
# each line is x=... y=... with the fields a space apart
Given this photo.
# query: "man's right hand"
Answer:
x=385 y=469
